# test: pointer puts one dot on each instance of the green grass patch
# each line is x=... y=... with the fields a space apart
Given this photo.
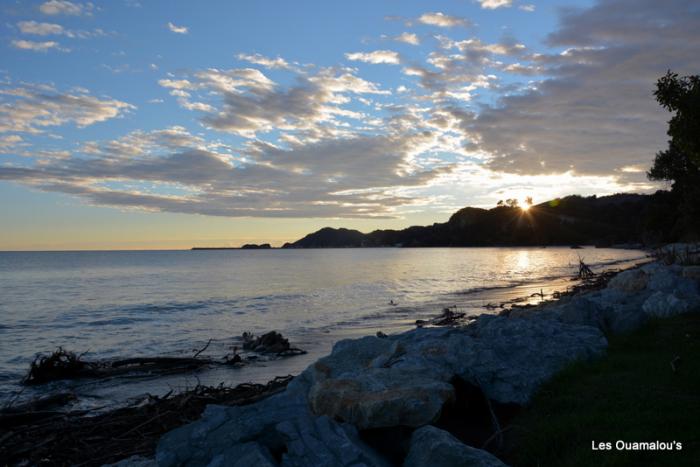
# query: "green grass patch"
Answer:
x=632 y=394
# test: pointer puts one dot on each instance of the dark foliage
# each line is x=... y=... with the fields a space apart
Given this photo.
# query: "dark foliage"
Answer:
x=680 y=163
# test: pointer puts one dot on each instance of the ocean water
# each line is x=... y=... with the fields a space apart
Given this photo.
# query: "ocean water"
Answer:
x=171 y=303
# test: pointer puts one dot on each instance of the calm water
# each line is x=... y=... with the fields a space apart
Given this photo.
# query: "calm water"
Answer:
x=122 y=304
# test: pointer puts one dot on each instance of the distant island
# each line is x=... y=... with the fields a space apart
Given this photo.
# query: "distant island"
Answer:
x=247 y=246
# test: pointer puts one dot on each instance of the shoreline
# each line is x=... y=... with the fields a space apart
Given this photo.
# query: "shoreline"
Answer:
x=541 y=304
x=403 y=385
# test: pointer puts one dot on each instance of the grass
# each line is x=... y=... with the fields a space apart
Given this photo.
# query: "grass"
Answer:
x=632 y=394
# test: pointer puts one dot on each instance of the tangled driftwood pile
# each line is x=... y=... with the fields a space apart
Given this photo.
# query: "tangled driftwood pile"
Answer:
x=34 y=434
x=66 y=365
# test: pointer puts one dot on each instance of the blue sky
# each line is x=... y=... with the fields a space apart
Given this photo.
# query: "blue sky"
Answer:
x=136 y=124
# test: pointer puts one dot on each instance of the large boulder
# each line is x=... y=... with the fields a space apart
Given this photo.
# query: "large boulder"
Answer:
x=691 y=272
x=432 y=447
x=319 y=441
x=404 y=379
x=510 y=358
x=663 y=305
x=281 y=425
x=632 y=280
x=382 y=397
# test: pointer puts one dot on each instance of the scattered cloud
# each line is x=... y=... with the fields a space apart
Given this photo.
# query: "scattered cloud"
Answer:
x=8 y=142
x=442 y=20
x=64 y=7
x=408 y=38
x=376 y=57
x=52 y=29
x=178 y=29
x=244 y=101
x=34 y=46
x=494 y=4
x=40 y=29
x=529 y=7
x=257 y=59
x=31 y=109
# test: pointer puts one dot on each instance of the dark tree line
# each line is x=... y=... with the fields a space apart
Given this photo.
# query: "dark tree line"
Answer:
x=680 y=162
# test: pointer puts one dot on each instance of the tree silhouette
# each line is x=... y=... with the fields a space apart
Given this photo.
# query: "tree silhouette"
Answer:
x=680 y=163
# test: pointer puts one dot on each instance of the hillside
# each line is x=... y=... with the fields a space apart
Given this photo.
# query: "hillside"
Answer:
x=606 y=220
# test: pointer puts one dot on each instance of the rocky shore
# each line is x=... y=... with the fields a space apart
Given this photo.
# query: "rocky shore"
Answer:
x=393 y=400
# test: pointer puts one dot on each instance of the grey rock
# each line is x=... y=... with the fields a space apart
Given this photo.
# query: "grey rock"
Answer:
x=507 y=357
x=632 y=280
x=381 y=397
x=663 y=305
x=322 y=442
x=134 y=461
x=279 y=423
x=244 y=455
x=691 y=272
x=510 y=358
x=432 y=447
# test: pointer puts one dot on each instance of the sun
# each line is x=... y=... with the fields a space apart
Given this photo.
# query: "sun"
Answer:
x=525 y=207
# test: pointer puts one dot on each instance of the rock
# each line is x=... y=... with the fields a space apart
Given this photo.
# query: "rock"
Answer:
x=663 y=305
x=691 y=272
x=632 y=280
x=244 y=455
x=280 y=424
x=382 y=397
x=580 y=310
x=432 y=447
x=624 y=318
x=134 y=461
x=510 y=358
x=322 y=442
x=405 y=378
x=661 y=278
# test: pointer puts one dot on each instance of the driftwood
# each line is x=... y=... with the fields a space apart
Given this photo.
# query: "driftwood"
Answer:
x=65 y=365
x=62 y=365
x=584 y=271
x=272 y=342
x=73 y=439
x=447 y=318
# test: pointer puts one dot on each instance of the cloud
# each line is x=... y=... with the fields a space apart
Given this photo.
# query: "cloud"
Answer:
x=257 y=59
x=63 y=7
x=461 y=67
x=442 y=20
x=40 y=29
x=8 y=142
x=35 y=46
x=408 y=38
x=376 y=57
x=529 y=7
x=178 y=29
x=358 y=176
x=52 y=29
x=244 y=101
x=31 y=109
x=595 y=112
x=493 y=4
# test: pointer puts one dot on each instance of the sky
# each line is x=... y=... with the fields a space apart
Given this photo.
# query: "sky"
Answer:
x=135 y=124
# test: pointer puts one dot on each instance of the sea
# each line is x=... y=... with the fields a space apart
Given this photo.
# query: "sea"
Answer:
x=122 y=304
